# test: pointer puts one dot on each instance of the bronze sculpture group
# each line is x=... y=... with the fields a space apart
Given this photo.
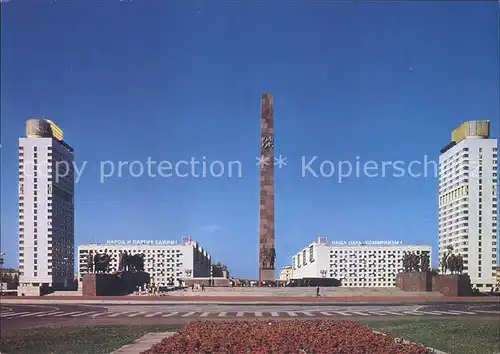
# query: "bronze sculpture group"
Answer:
x=99 y=262
x=416 y=262
x=269 y=257
x=421 y=263
x=131 y=262
x=221 y=266
x=453 y=263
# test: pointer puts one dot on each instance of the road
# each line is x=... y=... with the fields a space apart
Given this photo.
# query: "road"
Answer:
x=14 y=317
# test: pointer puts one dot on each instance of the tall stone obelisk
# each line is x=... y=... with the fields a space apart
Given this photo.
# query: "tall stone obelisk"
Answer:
x=267 y=253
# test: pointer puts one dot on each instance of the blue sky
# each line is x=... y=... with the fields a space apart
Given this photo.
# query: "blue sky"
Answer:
x=179 y=79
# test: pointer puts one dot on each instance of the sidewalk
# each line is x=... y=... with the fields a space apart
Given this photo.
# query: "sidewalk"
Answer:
x=143 y=343
x=245 y=300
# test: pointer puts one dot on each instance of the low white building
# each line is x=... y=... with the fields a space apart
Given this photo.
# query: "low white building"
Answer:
x=165 y=261
x=286 y=273
x=356 y=264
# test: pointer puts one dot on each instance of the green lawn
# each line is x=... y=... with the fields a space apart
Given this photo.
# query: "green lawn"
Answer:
x=75 y=340
x=471 y=336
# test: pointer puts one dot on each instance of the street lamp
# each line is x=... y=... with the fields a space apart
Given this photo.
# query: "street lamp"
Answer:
x=211 y=275
x=65 y=263
x=1 y=272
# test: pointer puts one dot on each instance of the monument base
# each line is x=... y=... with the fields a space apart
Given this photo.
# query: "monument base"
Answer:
x=123 y=283
x=452 y=284
x=308 y=282
x=414 y=281
x=32 y=290
x=267 y=275
x=216 y=282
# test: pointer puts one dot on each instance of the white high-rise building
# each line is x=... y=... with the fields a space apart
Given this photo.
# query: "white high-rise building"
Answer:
x=468 y=201
x=46 y=208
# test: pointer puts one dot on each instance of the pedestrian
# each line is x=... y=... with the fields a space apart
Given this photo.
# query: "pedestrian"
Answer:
x=317 y=292
x=192 y=287
x=202 y=286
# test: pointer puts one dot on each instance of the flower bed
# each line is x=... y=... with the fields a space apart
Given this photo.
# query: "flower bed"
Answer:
x=261 y=337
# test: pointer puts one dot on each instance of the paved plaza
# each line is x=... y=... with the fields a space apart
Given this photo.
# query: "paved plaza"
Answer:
x=19 y=312
x=277 y=292
x=300 y=292
x=235 y=314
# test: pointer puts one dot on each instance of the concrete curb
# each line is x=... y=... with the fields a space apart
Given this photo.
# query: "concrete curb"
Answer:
x=143 y=343
x=404 y=341
x=233 y=303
